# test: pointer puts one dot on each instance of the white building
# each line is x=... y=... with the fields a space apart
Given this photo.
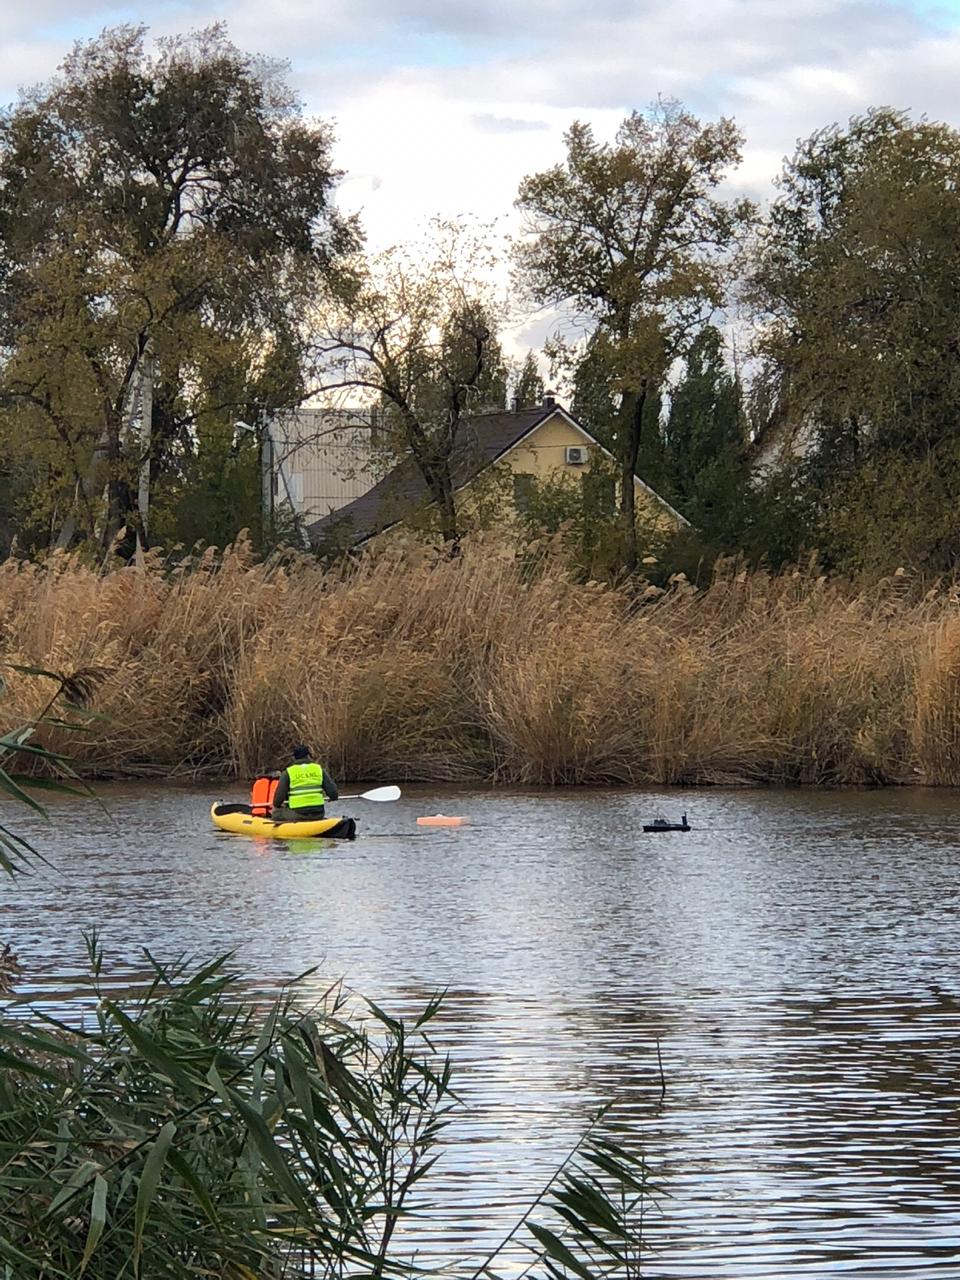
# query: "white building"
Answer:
x=319 y=460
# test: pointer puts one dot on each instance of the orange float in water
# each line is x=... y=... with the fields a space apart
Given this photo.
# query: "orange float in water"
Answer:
x=440 y=820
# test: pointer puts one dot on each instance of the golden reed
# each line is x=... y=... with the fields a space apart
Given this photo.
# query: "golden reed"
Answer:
x=405 y=666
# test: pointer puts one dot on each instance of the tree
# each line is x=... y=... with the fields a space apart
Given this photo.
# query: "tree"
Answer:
x=528 y=389
x=216 y=488
x=855 y=287
x=420 y=336
x=164 y=221
x=632 y=237
x=705 y=436
x=596 y=403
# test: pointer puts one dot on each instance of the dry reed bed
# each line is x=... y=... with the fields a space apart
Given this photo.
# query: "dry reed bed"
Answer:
x=407 y=667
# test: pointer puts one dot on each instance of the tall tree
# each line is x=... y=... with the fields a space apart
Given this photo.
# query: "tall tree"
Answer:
x=164 y=221
x=855 y=283
x=528 y=388
x=632 y=235
x=705 y=435
x=420 y=335
x=596 y=403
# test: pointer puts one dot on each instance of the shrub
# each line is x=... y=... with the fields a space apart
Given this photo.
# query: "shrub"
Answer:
x=192 y=1132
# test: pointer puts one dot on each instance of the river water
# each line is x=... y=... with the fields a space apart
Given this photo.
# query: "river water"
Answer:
x=795 y=955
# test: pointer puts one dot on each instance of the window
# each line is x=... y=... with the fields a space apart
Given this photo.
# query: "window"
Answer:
x=524 y=489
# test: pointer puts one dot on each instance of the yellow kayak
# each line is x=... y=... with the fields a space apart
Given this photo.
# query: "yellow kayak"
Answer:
x=237 y=819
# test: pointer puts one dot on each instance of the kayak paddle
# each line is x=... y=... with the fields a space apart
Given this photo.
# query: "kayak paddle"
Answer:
x=378 y=793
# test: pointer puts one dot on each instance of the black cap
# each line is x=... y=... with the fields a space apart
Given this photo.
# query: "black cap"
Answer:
x=301 y=753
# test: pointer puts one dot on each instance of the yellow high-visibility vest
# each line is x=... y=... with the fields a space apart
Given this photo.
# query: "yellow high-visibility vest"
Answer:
x=306 y=786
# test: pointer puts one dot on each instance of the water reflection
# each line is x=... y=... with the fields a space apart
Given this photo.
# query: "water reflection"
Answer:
x=793 y=955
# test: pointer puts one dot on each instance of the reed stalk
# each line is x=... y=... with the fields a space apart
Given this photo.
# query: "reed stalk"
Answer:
x=407 y=666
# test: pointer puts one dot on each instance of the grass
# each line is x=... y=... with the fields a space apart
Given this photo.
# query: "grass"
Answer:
x=191 y=1130
x=405 y=666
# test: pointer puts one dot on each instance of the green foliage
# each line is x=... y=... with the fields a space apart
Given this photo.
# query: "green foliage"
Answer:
x=856 y=285
x=581 y=511
x=219 y=490
x=775 y=522
x=856 y=274
x=165 y=220
x=705 y=438
x=597 y=405
x=528 y=390
x=684 y=552
x=189 y=1132
x=632 y=237
x=20 y=479
x=895 y=511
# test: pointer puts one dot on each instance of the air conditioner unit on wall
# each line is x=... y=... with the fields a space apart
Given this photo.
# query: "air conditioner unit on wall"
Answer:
x=575 y=455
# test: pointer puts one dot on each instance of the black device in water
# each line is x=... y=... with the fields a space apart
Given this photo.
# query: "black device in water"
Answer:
x=661 y=824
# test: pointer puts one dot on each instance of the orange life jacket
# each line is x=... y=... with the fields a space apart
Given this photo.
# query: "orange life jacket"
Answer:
x=261 y=796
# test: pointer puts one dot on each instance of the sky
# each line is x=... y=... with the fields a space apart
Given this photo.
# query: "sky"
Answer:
x=441 y=106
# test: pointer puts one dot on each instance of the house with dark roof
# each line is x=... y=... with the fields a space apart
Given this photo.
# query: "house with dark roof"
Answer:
x=524 y=445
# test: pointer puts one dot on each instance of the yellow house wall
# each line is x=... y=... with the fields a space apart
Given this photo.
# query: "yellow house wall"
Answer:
x=541 y=454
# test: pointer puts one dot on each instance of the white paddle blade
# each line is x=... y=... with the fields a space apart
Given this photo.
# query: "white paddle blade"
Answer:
x=378 y=793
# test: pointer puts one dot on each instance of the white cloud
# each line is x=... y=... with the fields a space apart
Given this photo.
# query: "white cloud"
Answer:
x=441 y=106
x=429 y=131
x=487 y=122
x=24 y=63
x=431 y=156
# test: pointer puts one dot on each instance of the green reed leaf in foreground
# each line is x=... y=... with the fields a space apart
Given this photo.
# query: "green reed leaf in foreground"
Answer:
x=14 y=789
x=149 y=1182
x=557 y=1251
x=13 y=846
x=75 y=689
x=124 y=1117
x=187 y=1132
x=98 y=1220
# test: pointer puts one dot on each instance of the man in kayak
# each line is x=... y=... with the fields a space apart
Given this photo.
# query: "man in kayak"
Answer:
x=303 y=790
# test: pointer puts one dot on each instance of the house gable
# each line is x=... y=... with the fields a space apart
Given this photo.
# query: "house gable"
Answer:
x=544 y=444
x=527 y=441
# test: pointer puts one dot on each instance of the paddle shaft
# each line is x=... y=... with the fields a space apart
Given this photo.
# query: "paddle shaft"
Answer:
x=378 y=793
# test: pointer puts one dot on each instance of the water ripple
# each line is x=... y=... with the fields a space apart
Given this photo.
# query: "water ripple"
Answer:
x=793 y=957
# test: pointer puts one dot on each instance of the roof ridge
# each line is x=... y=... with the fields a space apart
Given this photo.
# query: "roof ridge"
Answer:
x=404 y=486
x=489 y=413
